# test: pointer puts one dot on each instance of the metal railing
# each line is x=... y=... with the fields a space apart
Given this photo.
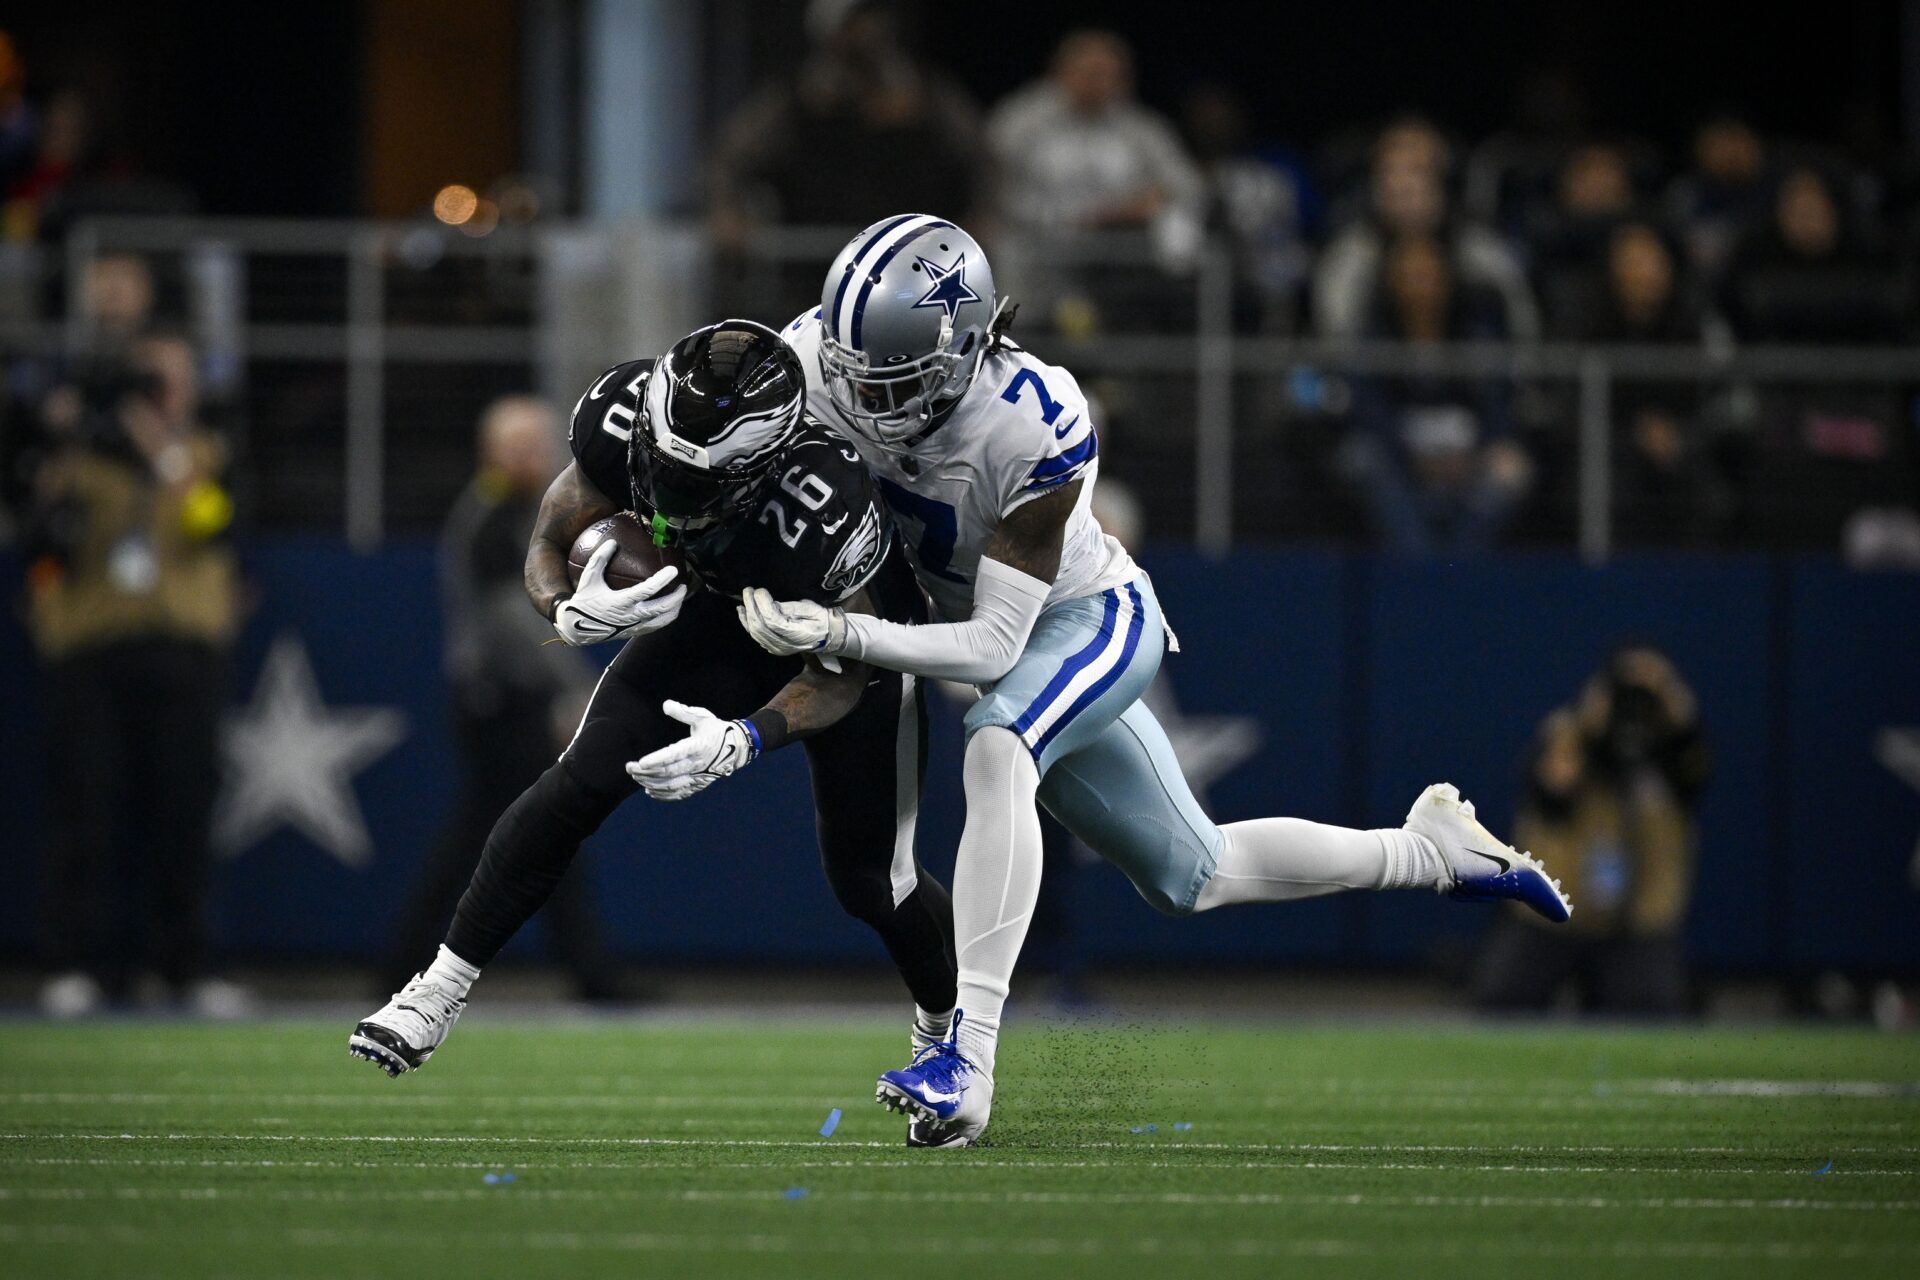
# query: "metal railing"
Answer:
x=585 y=296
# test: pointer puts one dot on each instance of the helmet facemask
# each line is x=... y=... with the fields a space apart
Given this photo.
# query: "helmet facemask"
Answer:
x=905 y=318
x=896 y=402
x=687 y=498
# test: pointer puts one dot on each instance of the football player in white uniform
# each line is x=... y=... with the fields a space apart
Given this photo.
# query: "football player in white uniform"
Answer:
x=987 y=457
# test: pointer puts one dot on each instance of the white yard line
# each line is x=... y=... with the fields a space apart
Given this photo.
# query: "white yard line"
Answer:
x=1145 y=1143
x=916 y=1244
x=412 y=1098
x=970 y=1164
x=1591 y=1095
x=1741 y=1204
x=1293 y=1085
x=1364 y=1165
x=1781 y=1088
x=436 y=1138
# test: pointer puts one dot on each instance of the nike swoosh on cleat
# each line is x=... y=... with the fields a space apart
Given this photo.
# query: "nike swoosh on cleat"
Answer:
x=1495 y=859
x=934 y=1095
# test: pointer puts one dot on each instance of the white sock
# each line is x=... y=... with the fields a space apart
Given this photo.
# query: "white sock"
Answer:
x=452 y=973
x=929 y=1027
x=996 y=881
x=1280 y=859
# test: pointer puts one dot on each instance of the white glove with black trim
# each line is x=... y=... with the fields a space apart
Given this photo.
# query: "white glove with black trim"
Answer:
x=597 y=612
x=712 y=749
x=782 y=627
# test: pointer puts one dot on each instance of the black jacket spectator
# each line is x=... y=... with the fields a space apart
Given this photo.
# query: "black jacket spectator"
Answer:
x=860 y=130
x=1807 y=275
x=1442 y=471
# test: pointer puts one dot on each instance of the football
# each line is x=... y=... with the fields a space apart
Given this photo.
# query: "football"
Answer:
x=637 y=558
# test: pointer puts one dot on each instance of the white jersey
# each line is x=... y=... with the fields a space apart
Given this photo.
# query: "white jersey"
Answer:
x=1021 y=431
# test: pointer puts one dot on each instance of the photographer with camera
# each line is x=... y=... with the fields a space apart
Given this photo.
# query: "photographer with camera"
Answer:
x=1612 y=800
x=131 y=595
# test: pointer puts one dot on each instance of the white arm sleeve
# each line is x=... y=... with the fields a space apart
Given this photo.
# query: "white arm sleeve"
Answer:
x=1006 y=603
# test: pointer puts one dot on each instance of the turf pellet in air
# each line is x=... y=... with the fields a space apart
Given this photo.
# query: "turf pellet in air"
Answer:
x=796 y=1193
x=833 y=1122
x=1183 y=1126
x=491 y=1178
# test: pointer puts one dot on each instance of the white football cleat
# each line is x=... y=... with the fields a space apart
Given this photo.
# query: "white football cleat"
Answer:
x=404 y=1034
x=1481 y=868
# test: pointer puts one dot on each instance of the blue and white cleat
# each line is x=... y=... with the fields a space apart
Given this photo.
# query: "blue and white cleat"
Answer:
x=1481 y=868
x=923 y=1133
x=945 y=1097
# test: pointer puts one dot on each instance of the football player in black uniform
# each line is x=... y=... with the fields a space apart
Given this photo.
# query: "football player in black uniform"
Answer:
x=711 y=447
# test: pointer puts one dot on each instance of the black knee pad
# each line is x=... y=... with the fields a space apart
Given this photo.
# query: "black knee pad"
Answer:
x=562 y=807
x=597 y=758
x=866 y=898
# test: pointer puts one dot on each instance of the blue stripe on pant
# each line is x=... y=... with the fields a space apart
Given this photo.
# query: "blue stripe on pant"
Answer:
x=1086 y=661
x=1107 y=769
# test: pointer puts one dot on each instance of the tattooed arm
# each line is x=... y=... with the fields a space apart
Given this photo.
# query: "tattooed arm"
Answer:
x=572 y=503
x=1030 y=537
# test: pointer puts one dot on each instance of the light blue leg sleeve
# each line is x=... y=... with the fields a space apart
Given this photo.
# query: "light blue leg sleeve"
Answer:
x=1124 y=795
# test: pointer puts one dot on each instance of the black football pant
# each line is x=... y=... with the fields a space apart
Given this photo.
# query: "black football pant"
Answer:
x=867 y=772
x=133 y=766
x=506 y=742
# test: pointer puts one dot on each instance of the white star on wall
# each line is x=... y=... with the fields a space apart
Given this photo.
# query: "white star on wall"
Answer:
x=1207 y=747
x=290 y=761
x=1899 y=751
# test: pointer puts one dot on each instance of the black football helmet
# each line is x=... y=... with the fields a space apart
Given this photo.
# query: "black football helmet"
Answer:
x=715 y=413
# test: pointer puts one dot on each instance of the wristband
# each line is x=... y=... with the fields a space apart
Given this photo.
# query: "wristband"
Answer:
x=768 y=729
x=753 y=738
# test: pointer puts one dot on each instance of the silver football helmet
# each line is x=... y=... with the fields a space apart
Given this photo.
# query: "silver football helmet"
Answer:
x=906 y=314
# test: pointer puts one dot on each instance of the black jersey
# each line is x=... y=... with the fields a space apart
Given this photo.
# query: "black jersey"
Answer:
x=816 y=531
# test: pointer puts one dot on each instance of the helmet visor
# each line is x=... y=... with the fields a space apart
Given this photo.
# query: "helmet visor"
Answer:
x=685 y=496
x=890 y=404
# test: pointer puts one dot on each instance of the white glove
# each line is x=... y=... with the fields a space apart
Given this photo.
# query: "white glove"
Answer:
x=791 y=626
x=713 y=748
x=596 y=611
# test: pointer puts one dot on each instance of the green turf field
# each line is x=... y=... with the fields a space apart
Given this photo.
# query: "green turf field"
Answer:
x=167 y=1149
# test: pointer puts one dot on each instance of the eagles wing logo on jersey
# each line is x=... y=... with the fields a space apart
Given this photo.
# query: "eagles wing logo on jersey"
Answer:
x=859 y=555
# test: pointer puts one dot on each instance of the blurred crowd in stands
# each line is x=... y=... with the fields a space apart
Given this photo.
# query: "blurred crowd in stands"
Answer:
x=1555 y=231
x=1099 y=211
x=1408 y=234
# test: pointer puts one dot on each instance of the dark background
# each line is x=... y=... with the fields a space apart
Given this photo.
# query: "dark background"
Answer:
x=262 y=108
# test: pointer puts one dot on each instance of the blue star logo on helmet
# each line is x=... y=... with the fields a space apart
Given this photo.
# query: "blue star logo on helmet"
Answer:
x=950 y=289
